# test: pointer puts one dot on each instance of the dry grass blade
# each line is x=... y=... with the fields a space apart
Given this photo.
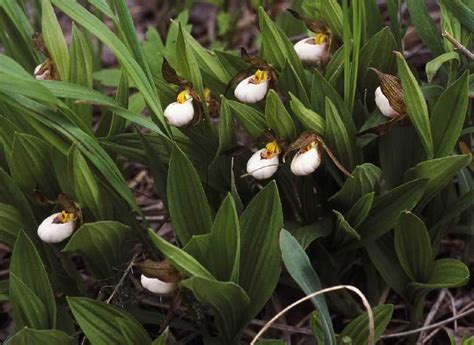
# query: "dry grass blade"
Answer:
x=370 y=339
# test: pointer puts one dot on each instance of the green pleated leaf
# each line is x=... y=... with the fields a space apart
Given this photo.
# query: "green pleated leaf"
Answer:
x=91 y=23
x=10 y=224
x=27 y=267
x=291 y=83
x=399 y=150
x=416 y=105
x=225 y=242
x=260 y=262
x=364 y=179
x=344 y=229
x=184 y=193
x=309 y=119
x=447 y=273
x=413 y=246
x=86 y=186
x=251 y=119
x=358 y=330
x=102 y=245
x=387 y=208
x=462 y=11
x=277 y=48
x=98 y=321
x=27 y=308
x=11 y=194
x=28 y=336
x=207 y=60
x=434 y=65
x=68 y=90
x=448 y=115
x=54 y=39
x=32 y=165
x=319 y=103
x=186 y=64
x=81 y=69
x=226 y=131
x=299 y=267
x=228 y=301
x=278 y=117
x=425 y=26
x=14 y=85
x=384 y=257
x=180 y=258
x=439 y=173
x=338 y=137
x=125 y=22
x=359 y=212
x=377 y=52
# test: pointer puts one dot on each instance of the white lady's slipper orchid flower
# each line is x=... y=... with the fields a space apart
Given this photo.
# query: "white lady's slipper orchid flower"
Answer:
x=306 y=160
x=311 y=50
x=181 y=112
x=42 y=73
x=156 y=285
x=254 y=88
x=383 y=104
x=57 y=227
x=264 y=163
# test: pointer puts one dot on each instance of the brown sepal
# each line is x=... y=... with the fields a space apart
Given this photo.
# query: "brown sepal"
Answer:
x=313 y=25
x=38 y=41
x=170 y=75
x=162 y=270
x=392 y=89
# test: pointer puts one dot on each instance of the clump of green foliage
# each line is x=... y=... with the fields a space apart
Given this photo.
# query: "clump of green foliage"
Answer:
x=372 y=214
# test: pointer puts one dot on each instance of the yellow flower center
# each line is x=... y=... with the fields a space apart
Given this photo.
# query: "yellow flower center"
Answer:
x=320 y=38
x=271 y=149
x=66 y=217
x=207 y=94
x=260 y=76
x=183 y=96
x=308 y=147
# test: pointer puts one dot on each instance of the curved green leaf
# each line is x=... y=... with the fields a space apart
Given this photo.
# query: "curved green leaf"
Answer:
x=299 y=267
x=416 y=105
x=413 y=246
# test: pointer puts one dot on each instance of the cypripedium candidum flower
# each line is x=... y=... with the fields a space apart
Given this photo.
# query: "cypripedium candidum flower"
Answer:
x=159 y=277
x=306 y=160
x=181 y=112
x=314 y=49
x=389 y=95
x=46 y=71
x=57 y=227
x=309 y=148
x=254 y=88
x=264 y=163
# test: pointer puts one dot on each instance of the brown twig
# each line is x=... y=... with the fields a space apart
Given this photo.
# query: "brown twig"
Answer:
x=435 y=325
x=370 y=339
x=122 y=278
x=458 y=45
x=432 y=313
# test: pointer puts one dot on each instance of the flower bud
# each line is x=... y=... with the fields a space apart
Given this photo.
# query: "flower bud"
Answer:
x=389 y=95
x=181 y=112
x=264 y=163
x=306 y=160
x=156 y=285
x=254 y=88
x=46 y=71
x=313 y=50
x=57 y=227
x=159 y=277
